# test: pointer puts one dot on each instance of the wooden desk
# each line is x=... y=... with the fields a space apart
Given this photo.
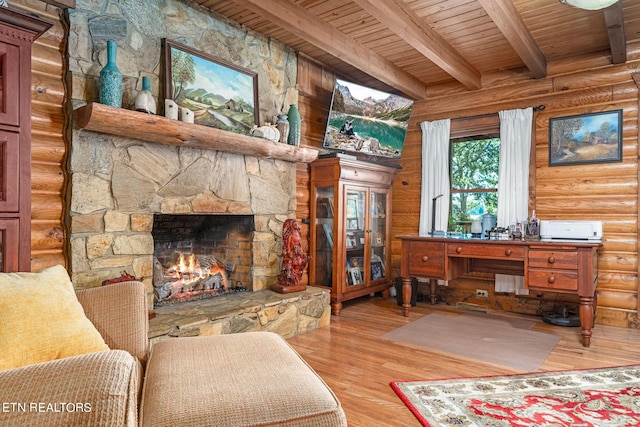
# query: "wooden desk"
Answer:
x=566 y=267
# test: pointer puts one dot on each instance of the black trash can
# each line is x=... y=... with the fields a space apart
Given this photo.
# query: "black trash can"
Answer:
x=414 y=291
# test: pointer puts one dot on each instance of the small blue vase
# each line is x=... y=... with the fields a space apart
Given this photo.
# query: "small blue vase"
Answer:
x=111 y=79
x=295 y=122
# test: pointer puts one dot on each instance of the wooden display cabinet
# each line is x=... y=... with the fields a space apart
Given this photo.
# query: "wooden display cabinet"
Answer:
x=17 y=32
x=350 y=228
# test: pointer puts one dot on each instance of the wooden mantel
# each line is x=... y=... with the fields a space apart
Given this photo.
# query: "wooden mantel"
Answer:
x=132 y=124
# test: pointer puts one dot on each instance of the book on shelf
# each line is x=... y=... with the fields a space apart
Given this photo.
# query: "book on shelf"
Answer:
x=325 y=207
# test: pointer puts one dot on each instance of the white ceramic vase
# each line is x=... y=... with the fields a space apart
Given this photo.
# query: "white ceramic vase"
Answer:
x=268 y=131
x=171 y=109
x=186 y=115
x=144 y=101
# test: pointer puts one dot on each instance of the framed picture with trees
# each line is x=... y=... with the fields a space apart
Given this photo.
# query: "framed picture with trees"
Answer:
x=221 y=95
x=586 y=138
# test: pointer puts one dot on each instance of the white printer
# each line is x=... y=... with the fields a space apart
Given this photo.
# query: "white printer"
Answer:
x=571 y=230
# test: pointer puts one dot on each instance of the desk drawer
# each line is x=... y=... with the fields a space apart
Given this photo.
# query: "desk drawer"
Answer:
x=427 y=260
x=560 y=280
x=486 y=251
x=567 y=260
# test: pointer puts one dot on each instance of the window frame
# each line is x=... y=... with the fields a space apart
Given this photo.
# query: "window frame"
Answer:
x=477 y=127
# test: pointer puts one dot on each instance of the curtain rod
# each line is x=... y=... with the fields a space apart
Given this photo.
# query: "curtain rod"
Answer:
x=479 y=116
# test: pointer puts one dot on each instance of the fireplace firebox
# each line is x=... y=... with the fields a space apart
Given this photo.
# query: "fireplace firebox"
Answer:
x=201 y=256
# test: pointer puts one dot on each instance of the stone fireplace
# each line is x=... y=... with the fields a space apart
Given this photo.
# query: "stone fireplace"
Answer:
x=120 y=185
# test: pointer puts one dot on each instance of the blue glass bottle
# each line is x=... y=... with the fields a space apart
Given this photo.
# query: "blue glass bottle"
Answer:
x=111 y=79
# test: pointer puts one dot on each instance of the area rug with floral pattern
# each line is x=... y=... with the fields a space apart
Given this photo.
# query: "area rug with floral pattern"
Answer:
x=584 y=398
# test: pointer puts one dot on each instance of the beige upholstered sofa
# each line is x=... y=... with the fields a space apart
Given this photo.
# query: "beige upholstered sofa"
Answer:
x=244 y=379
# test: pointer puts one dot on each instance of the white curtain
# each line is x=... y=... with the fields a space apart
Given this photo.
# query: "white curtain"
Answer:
x=435 y=175
x=513 y=180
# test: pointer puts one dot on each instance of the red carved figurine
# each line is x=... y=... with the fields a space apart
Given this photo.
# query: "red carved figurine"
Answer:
x=294 y=260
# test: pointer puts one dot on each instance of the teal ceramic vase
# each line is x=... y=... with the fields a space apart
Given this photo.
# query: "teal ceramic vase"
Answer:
x=111 y=79
x=295 y=122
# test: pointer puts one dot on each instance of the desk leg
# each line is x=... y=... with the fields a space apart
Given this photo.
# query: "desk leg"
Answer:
x=587 y=311
x=432 y=290
x=406 y=295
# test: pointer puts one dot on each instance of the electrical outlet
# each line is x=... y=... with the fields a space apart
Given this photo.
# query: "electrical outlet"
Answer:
x=482 y=293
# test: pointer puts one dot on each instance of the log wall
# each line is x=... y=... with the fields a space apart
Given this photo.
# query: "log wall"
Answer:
x=606 y=191
x=48 y=147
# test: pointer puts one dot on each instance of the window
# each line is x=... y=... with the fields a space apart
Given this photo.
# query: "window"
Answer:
x=474 y=179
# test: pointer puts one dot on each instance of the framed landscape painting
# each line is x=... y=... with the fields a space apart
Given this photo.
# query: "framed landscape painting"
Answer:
x=586 y=138
x=220 y=94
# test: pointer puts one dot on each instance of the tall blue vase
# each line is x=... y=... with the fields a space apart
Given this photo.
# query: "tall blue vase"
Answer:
x=111 y=79
x=295 y=122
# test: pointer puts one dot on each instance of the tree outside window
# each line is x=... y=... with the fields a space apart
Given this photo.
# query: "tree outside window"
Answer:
x=474 y=179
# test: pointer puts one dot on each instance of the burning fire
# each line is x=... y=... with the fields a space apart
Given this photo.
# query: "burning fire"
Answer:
x=193 y=277
x=187 y=275
x=190 y=267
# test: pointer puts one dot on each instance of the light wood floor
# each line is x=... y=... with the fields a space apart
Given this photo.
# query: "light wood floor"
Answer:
x=359 y=365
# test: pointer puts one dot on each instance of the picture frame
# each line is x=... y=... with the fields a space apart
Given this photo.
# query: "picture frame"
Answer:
x=356 y=262
x=377 y=239
x=377 y=270
x=221 y=94
x=356 y=276
x=586 y=138
x=351 y=241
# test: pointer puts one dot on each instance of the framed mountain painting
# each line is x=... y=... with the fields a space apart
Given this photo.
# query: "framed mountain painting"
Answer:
x=220 y=94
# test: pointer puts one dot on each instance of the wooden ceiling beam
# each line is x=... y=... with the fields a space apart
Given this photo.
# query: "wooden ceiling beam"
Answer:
x=505 y=15
x=614 y=20
x=403 y=21
x=307 y=26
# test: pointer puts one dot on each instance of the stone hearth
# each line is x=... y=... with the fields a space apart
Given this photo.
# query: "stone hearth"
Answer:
x=286 y=314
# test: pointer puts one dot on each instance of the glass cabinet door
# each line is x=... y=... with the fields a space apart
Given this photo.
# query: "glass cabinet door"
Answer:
x=377 y=235
x=323 y=262
x=355 y=236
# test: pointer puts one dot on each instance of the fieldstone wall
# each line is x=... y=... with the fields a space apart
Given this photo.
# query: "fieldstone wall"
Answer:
x=117 y=184
x=138 y=27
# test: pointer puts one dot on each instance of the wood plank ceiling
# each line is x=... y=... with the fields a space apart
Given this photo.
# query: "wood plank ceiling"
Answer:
x=408 y=45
